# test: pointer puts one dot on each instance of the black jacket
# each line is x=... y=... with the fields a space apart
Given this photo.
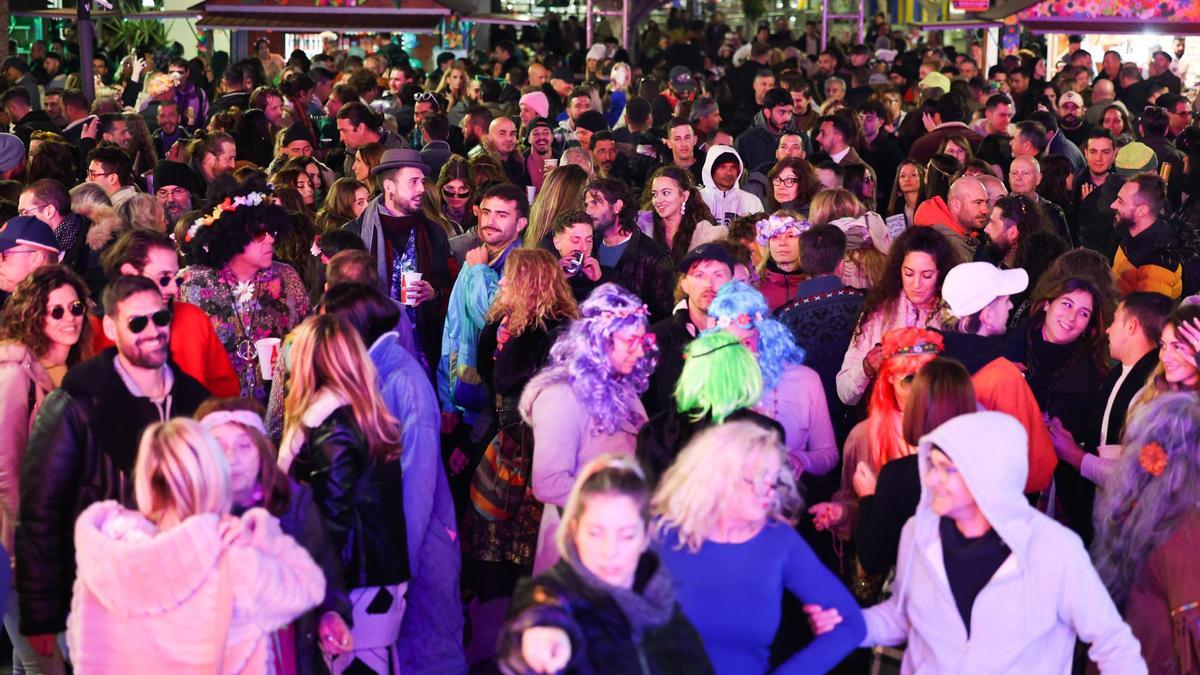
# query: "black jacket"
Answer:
x=671 y=336
x=1094 y=217
x=81 y=450
x=360 y=500
x=646 y=270
x=34 y=120
x=881 y=516
x=603 y=638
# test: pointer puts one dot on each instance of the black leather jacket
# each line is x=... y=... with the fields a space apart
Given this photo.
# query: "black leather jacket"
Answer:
x=81 y=450
x=646 y=270
x=360 y=500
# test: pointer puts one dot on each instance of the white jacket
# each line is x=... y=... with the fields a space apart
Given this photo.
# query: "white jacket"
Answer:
x=1027 y=617
x=726 y=204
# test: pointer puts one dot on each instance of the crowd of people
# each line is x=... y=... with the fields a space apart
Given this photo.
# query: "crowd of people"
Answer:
x=744 y=355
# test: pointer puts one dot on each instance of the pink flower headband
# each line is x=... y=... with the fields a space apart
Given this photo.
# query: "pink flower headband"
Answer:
x=744 y=321
x=230 y=205
x=774 y=226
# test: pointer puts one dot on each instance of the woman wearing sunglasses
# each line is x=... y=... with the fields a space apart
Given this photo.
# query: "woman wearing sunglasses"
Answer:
x=586 y=402
x=44 y=331
x=455 y=186
x=245 y=292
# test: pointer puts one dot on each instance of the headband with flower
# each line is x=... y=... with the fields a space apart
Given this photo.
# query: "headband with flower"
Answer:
x=230 y=205
x=624 y=313
x=777 y=225
x=1153 y=459
x=743 y=321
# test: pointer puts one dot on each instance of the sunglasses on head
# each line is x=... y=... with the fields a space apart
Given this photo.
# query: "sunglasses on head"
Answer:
x=426 y=96
x=57 y=312
x=137 y=324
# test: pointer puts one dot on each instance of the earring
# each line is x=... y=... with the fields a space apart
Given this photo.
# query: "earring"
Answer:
x=683 y=208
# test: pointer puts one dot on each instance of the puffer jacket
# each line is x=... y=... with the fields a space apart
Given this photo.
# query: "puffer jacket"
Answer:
x=757 y=144
x=361 y=501
x=24 y=383
x=646 y=270
x=779 y=287
x=81 y=450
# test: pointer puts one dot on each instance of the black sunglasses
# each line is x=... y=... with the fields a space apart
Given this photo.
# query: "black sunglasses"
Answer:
x=258 y=232
x=161 y=318
x=167 y=279
x=460 y=195
x=57 y=312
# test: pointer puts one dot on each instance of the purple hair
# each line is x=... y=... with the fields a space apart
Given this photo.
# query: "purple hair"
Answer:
x=580 y=358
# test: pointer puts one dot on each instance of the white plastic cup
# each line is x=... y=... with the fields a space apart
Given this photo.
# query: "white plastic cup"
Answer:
x=268 y=355
x=1112 y=451
x=406 y=280
x=530 y=193
x=550 y=165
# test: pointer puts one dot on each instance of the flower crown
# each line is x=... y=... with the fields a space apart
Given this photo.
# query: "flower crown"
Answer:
x=745 y=321
x=1153 y=459
x=230 y=205
x=623 y=313
x=911 y=342
x=776 y=225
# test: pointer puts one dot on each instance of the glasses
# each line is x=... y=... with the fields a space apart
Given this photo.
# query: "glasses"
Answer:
x=5 y=255
x=96 y=174
x=31 y=210
x=137 y=324
x=427 y=97
x=763 y=489
x=463 y=194
x=57 y=312
x=259 y=233
x=167 y=279
x=787 y=182
x=647 y=341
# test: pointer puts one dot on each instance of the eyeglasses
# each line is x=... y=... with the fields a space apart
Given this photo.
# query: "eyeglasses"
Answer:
x=96 y=174
x=788 y=182
x=430 y=97
x=57 y=312
x=464 y=194
x=764 y=489
x=19 y=251
x=137 y=324
x=31 y=210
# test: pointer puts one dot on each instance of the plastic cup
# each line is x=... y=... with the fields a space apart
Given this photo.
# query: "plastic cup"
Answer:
x=268 y=354
x=1112 y=451
x=406 y=280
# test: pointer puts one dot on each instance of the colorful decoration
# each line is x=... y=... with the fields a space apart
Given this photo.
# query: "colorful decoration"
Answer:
x=230 y=204
x=1153 y=459
x=1142 y=10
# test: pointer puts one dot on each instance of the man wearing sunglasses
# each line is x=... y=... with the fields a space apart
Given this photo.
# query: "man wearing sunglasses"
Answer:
x=26 y=244
x=84 y=443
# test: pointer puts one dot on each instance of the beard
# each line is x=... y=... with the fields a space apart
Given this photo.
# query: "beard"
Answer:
x=1124 y=224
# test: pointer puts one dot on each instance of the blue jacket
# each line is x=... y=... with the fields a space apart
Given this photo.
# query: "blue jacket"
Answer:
x=431 y=633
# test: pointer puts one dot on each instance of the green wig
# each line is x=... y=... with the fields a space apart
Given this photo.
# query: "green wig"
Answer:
x=720 y=376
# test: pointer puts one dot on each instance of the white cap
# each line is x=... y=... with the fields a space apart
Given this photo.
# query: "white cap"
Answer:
x=597 y=51
x=970 y=287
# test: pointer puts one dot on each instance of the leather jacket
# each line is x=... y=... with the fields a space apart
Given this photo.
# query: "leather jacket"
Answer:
x=361 y=501
x=646 y=270
x=81 y=450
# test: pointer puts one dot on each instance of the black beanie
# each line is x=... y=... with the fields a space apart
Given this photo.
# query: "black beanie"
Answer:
x=177 y=174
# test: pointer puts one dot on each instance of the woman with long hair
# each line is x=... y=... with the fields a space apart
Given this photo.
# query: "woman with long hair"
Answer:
x=366 y=159
x=867 y=237
x=1147 y=525
x=586 y=401
x=145 y=157
x=675 y=214
x=236 y=280
x=1177 y=369
x=908 y=295
x=180 y=585
x=793 y=394
x=793 y=183
x=907 y=192
x=144 y=212
x=455 y=189
x=317 y=175
x=51 y=158
x=298 y=180
x=346 y=200
x=340 y=439
x=256 y=482
x=562 y=191
x=724 y=513
x=1058 y=181
x=530 y=309
x=44 y=332
x=1115 y=118
x=720 y=381
x=453 y=88
x=880 y=438
x=939 y=174
x=608 y=576
x=957 y=147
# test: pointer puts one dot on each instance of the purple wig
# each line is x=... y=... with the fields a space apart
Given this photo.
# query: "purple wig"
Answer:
x=580 y=358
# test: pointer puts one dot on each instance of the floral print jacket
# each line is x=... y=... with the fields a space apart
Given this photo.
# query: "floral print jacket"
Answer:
x=269 y=306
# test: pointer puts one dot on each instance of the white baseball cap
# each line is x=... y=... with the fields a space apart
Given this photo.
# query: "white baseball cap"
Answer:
x=970 y=287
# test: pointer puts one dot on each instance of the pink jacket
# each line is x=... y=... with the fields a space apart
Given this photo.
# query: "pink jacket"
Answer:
x=21 y=378
x=147 y=601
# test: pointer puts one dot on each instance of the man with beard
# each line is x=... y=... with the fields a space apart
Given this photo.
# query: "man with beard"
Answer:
x=214 y=156
x=1012 y=221
x=170 y=130
x=962 y=217
x=704 y=270
x=1095 y=189
x=48 y=201
x=109 y=167
x=84 y=443
x=627 y=256
x=24 y=118
x=757 y=144
x=1147 y=258
x=357 y=126
x=403 y=241
x=175 y=186
x=1070 y=118
x=609 y=162
x=195 y=347
x=540 y=139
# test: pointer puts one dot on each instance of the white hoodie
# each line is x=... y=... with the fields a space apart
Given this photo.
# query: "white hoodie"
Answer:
x=1027 y=617
x=726 y=205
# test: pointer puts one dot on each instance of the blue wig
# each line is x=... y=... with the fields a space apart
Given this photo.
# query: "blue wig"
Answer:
x=580 y=357
x=740 y=303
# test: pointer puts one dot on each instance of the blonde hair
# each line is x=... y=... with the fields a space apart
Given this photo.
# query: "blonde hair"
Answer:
x=608 y=474
x=829 y=205
x=327 y=353
x=696 y=489
x=87 y=197
x=180 y=466
x=143 y=212
x=536 y=290
x=562 y=191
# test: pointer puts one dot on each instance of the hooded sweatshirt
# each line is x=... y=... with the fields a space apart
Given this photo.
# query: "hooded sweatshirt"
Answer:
x=1042 y=597
x=148 y=601
x=726 y=204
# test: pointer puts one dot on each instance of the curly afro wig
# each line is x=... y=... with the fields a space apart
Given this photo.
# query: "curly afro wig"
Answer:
x=214 y=245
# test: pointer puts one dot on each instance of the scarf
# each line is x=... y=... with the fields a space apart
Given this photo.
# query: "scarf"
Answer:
x=651 y=606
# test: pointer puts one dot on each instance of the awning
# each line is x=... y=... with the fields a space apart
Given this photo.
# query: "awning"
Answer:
x=504 y=19
x=317 y=22
x=69 y=14
x=1005 y=8
x=961 y=24
x=1111 y=26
